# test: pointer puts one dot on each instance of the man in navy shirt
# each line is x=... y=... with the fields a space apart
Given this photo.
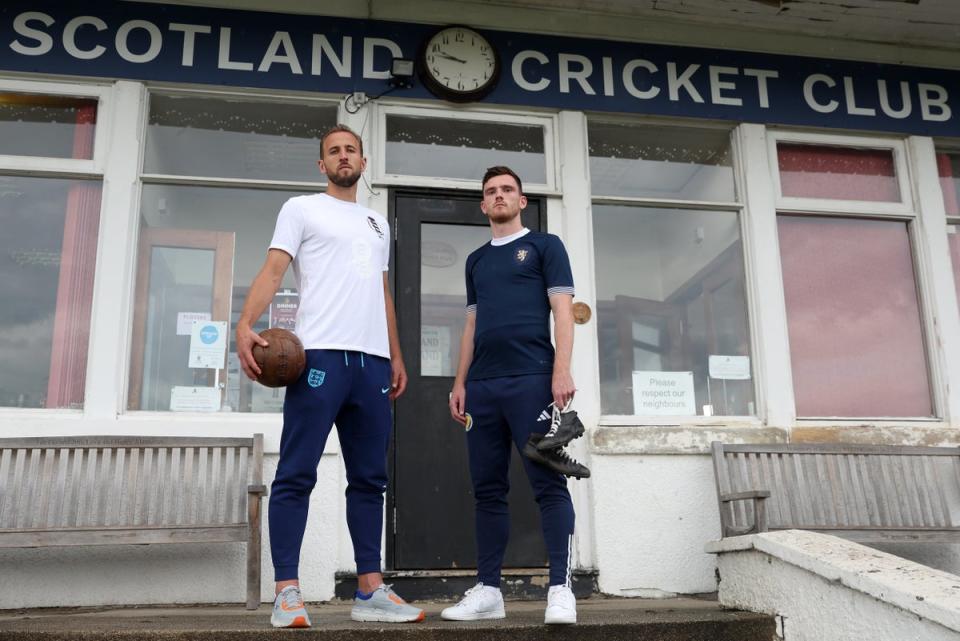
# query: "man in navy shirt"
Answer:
x=507 y=378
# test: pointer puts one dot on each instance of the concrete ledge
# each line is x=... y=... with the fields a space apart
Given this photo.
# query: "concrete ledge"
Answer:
x=897 y=588
x=677 y=439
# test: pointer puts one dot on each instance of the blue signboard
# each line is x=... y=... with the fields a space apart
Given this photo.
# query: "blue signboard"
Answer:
x=341 y=55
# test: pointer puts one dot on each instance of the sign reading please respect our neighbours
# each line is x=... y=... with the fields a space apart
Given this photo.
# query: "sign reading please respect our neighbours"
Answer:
x=340 y=55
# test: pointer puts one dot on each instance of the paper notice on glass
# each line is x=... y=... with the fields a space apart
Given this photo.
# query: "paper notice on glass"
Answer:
x=663 y=394
x=731 y=368
x=194 y=399
x=435 y=350
x=185 y=321
x=208 y=344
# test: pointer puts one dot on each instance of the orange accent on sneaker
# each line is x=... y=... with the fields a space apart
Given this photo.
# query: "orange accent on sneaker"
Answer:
x=299 y=622
x=423 y=615
x=396 y=599
x=283 y=606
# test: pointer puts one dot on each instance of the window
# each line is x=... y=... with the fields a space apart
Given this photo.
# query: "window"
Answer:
x=674 y=336
x=203 y=238
x=48 y=248
x=422 y=146
x=47 y=126
x=818 y=171
x=949 y=170
x=856 y=340
x=854 y=318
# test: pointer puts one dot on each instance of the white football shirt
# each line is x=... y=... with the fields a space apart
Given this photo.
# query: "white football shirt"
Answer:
x=340 y=251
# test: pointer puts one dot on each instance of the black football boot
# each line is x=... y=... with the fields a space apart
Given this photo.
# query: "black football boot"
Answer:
x=564 y=427
x=555 y=459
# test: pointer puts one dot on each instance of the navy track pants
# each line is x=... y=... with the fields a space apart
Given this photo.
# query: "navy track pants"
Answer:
x=505 y=411
x=349 y=389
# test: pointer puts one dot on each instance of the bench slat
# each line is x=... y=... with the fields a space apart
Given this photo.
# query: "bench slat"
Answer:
x=857 y=502
x=745 y=509
x=840 y=448
x=865 y=486
x=230 y=486
x=6 y=486
x=119 y=535
x=926 y=509
x=848 y=490
x=910 y=492
x=940 y=508
x=895 y=516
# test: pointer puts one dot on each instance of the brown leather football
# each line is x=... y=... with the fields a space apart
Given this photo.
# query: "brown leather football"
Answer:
x=282 y=361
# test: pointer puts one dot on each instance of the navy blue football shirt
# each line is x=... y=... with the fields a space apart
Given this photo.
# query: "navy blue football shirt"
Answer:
x=508 y=288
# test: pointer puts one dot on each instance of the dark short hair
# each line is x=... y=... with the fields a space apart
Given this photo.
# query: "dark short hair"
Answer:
x=337 y=128
x=501 y=170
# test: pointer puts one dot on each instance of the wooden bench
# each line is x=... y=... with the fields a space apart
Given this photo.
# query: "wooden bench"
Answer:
x=108 y=490
x=868 y=494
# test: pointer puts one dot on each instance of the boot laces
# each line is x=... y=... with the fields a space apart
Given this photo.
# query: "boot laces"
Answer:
x=556 y=417
x=563 y=456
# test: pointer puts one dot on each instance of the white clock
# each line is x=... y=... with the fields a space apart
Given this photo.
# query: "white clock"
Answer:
x=458 y=64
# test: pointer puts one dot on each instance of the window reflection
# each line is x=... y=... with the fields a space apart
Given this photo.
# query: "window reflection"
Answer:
x=47 y=126
x=200 y=249
x=660 y=162
x=671 y=312
x=448 y=148
x=220 y=137
x=443 y=256
x=47 y=258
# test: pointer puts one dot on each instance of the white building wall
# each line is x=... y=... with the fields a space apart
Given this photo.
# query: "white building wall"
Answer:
x=653 y=515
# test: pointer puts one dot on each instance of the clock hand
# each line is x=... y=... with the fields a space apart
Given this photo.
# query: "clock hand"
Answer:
x=443 y=54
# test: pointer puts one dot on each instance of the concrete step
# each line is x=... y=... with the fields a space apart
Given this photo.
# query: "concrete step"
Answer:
x=600 y=619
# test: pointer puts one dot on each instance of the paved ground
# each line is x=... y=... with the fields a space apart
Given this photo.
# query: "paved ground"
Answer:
x=599 y=618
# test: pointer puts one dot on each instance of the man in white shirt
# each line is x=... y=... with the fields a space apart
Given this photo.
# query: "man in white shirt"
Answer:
x=346 y=321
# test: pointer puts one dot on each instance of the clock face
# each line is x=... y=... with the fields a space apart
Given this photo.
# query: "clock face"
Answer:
x=459 y=64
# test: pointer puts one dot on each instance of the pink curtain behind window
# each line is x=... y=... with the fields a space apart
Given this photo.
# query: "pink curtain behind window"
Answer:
x=949 y=184
x=856 y=342
x=812 y=171
x=71 y=323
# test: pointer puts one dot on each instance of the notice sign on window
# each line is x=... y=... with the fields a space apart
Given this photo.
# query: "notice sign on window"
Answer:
x=730 y=368
x=663 y=394
x=194 y=399
x=435 y=351
x=208 y=344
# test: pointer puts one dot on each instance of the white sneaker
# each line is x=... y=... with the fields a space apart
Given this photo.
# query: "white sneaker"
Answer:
x=479 y=602
x=561 y=605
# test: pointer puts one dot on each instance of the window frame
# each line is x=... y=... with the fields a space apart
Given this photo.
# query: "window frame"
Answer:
x=89 y=169
x=737 y=206
x=907 y=211
x=144 y=179
x=381 y=178
x=65 y=167
x=796 y=204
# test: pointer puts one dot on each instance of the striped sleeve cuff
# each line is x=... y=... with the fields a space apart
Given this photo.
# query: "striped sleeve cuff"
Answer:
x=471 y=309
x=560 y=290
